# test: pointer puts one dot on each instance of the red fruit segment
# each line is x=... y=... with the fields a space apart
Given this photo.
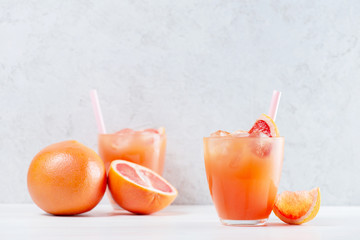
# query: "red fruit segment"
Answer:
x=142 y=177
x=130 y=173
x=260 y=126
x=264 y=125
x=156 y=182
x=263 y=128
x=297 y=207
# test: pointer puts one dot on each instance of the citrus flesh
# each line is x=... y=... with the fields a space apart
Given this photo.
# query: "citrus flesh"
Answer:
x=265 y=125
x=297 y=207
x=139 y=189
x=264 y=128
x=66 y=178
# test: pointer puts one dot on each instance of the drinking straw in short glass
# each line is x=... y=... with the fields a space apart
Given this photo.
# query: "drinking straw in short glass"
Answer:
x=97 y=111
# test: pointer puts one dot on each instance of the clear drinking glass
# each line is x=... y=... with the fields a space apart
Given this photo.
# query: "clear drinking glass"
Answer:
x=146 y=148
x=243 y=174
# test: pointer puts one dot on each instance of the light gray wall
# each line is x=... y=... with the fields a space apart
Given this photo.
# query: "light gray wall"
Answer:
x=193 y=67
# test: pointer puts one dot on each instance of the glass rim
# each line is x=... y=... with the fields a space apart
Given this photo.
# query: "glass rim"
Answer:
x=234 y=137
x=122 y=134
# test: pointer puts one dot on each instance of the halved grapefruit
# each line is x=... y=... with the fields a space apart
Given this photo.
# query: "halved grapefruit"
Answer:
x=139 y=189
x=297 y=207
x=264 y=124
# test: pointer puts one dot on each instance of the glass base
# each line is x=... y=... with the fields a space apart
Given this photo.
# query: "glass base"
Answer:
x=244 y=223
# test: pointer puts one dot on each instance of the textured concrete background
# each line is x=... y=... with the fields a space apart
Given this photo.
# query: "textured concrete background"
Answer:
x=193 y=67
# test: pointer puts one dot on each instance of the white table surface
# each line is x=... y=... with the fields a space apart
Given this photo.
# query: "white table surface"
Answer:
x=27 y=221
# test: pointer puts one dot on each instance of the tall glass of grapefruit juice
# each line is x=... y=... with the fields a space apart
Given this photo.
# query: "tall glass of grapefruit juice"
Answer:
x=146 y=148
x=243 y=174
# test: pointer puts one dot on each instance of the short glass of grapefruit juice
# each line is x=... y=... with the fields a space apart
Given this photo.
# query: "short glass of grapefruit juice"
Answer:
x=243 y=174
x=146 y=148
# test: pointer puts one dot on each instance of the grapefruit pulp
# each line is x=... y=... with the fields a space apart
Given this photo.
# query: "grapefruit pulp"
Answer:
x=139 y=189
x=265 y=125
x=297 y=207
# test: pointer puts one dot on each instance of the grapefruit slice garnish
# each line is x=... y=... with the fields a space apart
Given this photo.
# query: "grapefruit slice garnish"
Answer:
x=264 y=124
x=139 y=189
x=297 y=207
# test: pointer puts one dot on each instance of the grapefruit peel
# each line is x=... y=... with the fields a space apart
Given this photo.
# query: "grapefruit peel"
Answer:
x=138 y=189
x=297 y=207
x=265 y=124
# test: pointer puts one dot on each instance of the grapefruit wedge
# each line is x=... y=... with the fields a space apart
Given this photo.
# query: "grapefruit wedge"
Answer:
x=297 y=207
x=264 y=128
x=264 y=125
x=138 y=189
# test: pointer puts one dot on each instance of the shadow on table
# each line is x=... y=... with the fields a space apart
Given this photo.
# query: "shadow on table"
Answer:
x=312 y=224
x=276 y=224
x=113 y=213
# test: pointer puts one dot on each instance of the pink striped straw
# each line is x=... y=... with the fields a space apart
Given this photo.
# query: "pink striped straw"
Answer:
x=97 y=111
x=274 y=104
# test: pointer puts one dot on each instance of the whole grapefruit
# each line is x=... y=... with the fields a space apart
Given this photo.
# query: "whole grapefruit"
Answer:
x=66 y=178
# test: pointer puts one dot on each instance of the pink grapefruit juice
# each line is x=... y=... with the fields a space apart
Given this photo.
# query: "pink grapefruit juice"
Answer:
x=243 y=174
x=146 y=148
